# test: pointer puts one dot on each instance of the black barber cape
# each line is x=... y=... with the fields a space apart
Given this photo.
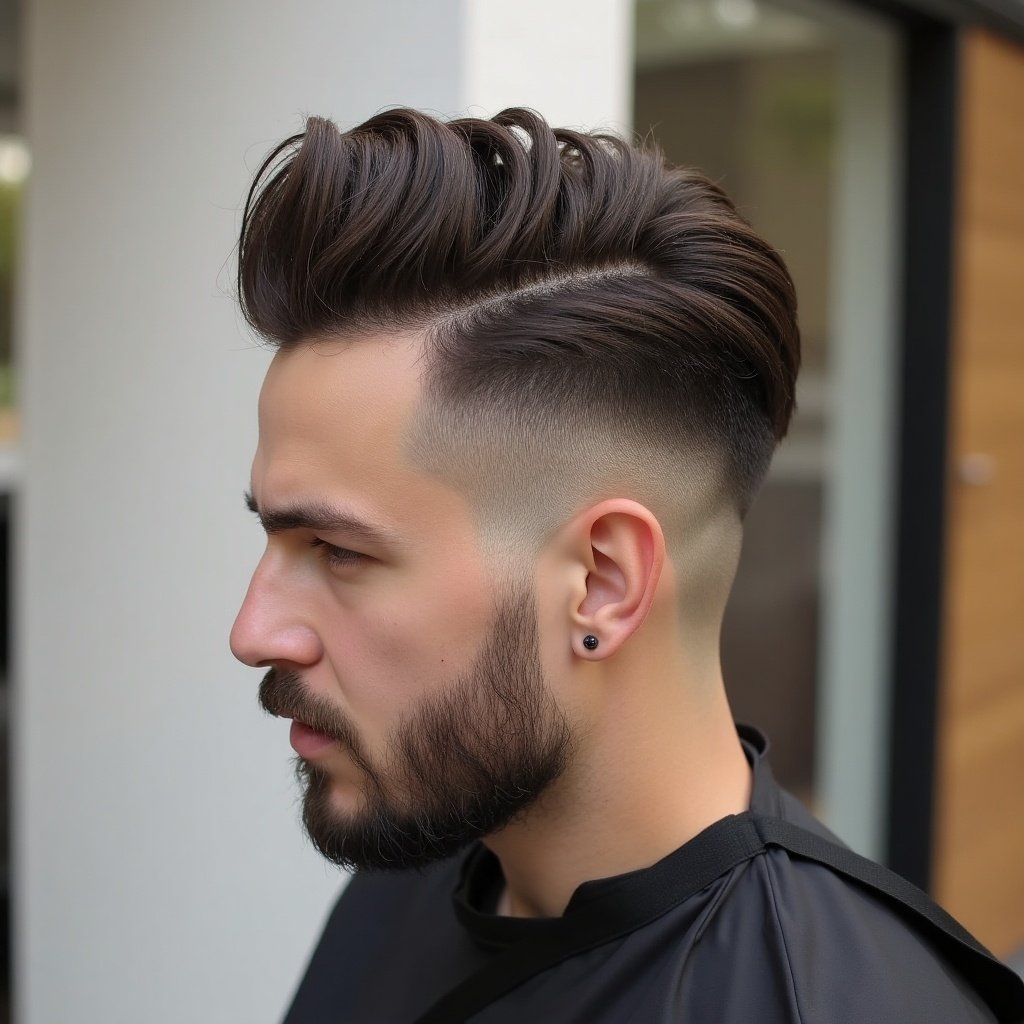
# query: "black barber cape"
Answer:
x=763 y=918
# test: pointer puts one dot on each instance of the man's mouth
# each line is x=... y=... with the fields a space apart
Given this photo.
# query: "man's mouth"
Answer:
x=280 y=693
x=306 y=741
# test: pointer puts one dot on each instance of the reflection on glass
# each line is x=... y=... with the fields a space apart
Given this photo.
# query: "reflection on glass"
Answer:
x=14 y=168
x=747 y=91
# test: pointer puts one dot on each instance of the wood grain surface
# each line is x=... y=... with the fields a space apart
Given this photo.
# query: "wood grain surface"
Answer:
x=979 y=838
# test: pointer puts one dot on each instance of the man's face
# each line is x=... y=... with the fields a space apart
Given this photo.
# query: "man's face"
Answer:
x=422 y=716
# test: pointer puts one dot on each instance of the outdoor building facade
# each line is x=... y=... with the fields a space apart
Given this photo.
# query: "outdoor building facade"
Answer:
x=157 y=868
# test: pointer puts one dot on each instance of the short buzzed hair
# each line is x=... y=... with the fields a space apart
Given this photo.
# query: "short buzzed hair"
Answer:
x=596 y=319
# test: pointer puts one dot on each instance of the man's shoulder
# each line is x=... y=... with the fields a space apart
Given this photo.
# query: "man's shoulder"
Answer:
x=848 y=933
x=847 y=951
x=841 y=938
x=786 y=932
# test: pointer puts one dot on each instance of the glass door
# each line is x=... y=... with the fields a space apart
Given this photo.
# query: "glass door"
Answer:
x=793 y=107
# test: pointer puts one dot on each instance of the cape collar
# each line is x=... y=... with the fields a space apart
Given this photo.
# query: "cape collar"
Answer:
x=481 y=880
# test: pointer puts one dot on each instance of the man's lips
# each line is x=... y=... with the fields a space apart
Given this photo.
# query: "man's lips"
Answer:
x=280 y=696
x=306 y=741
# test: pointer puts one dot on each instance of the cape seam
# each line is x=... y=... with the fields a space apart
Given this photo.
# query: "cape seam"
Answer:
x=782 y=934
x=710 y=912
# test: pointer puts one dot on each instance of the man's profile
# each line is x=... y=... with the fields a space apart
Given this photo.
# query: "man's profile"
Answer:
x=527 y=384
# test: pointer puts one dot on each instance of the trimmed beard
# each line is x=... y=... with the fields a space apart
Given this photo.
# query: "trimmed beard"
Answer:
x=462 y=765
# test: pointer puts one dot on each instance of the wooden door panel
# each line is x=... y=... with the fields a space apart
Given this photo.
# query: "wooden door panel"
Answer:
x=979 y=812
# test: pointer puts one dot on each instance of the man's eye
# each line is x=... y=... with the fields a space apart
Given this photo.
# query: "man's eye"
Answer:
x=333 y=555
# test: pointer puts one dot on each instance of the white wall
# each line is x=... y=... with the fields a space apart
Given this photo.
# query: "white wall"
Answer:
x=570 y=59
x=160 y=871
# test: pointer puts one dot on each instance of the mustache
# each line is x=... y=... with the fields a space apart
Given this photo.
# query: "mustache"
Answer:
x=284 y=694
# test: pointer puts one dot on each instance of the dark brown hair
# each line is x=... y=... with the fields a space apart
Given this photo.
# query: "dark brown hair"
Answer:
x=564 y=278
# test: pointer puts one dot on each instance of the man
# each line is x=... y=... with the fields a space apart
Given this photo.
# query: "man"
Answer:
x=527 y=385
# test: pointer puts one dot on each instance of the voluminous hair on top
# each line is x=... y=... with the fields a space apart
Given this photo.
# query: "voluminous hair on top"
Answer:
x=592 y=310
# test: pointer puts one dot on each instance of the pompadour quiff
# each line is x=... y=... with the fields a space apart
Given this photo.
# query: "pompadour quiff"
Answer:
x=572 y=286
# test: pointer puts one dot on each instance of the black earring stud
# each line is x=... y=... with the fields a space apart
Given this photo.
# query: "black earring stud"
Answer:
x=590 y=642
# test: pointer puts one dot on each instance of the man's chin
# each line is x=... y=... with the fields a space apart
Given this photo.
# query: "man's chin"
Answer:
x=353 y=843
x=359 y=833
x=344 y=800
x=338 y=785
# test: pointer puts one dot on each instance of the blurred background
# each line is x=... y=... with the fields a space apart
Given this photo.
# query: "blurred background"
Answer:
x=152 y=864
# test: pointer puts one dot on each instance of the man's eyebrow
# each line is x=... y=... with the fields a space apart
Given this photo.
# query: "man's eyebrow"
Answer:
x=317 y=516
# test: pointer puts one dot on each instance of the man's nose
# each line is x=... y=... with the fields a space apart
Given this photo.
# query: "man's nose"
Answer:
x=270 y=628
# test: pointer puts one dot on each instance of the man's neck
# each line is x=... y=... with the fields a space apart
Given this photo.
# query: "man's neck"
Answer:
x=644 y=787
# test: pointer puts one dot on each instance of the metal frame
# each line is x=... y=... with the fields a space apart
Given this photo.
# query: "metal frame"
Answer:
x=922 y=458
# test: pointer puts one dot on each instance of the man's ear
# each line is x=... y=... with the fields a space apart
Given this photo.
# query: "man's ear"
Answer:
x=622 y=547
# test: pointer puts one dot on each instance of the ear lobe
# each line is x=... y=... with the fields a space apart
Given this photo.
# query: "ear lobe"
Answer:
x=626 y=554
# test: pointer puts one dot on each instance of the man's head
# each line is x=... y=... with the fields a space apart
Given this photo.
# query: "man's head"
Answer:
x=518 y=369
